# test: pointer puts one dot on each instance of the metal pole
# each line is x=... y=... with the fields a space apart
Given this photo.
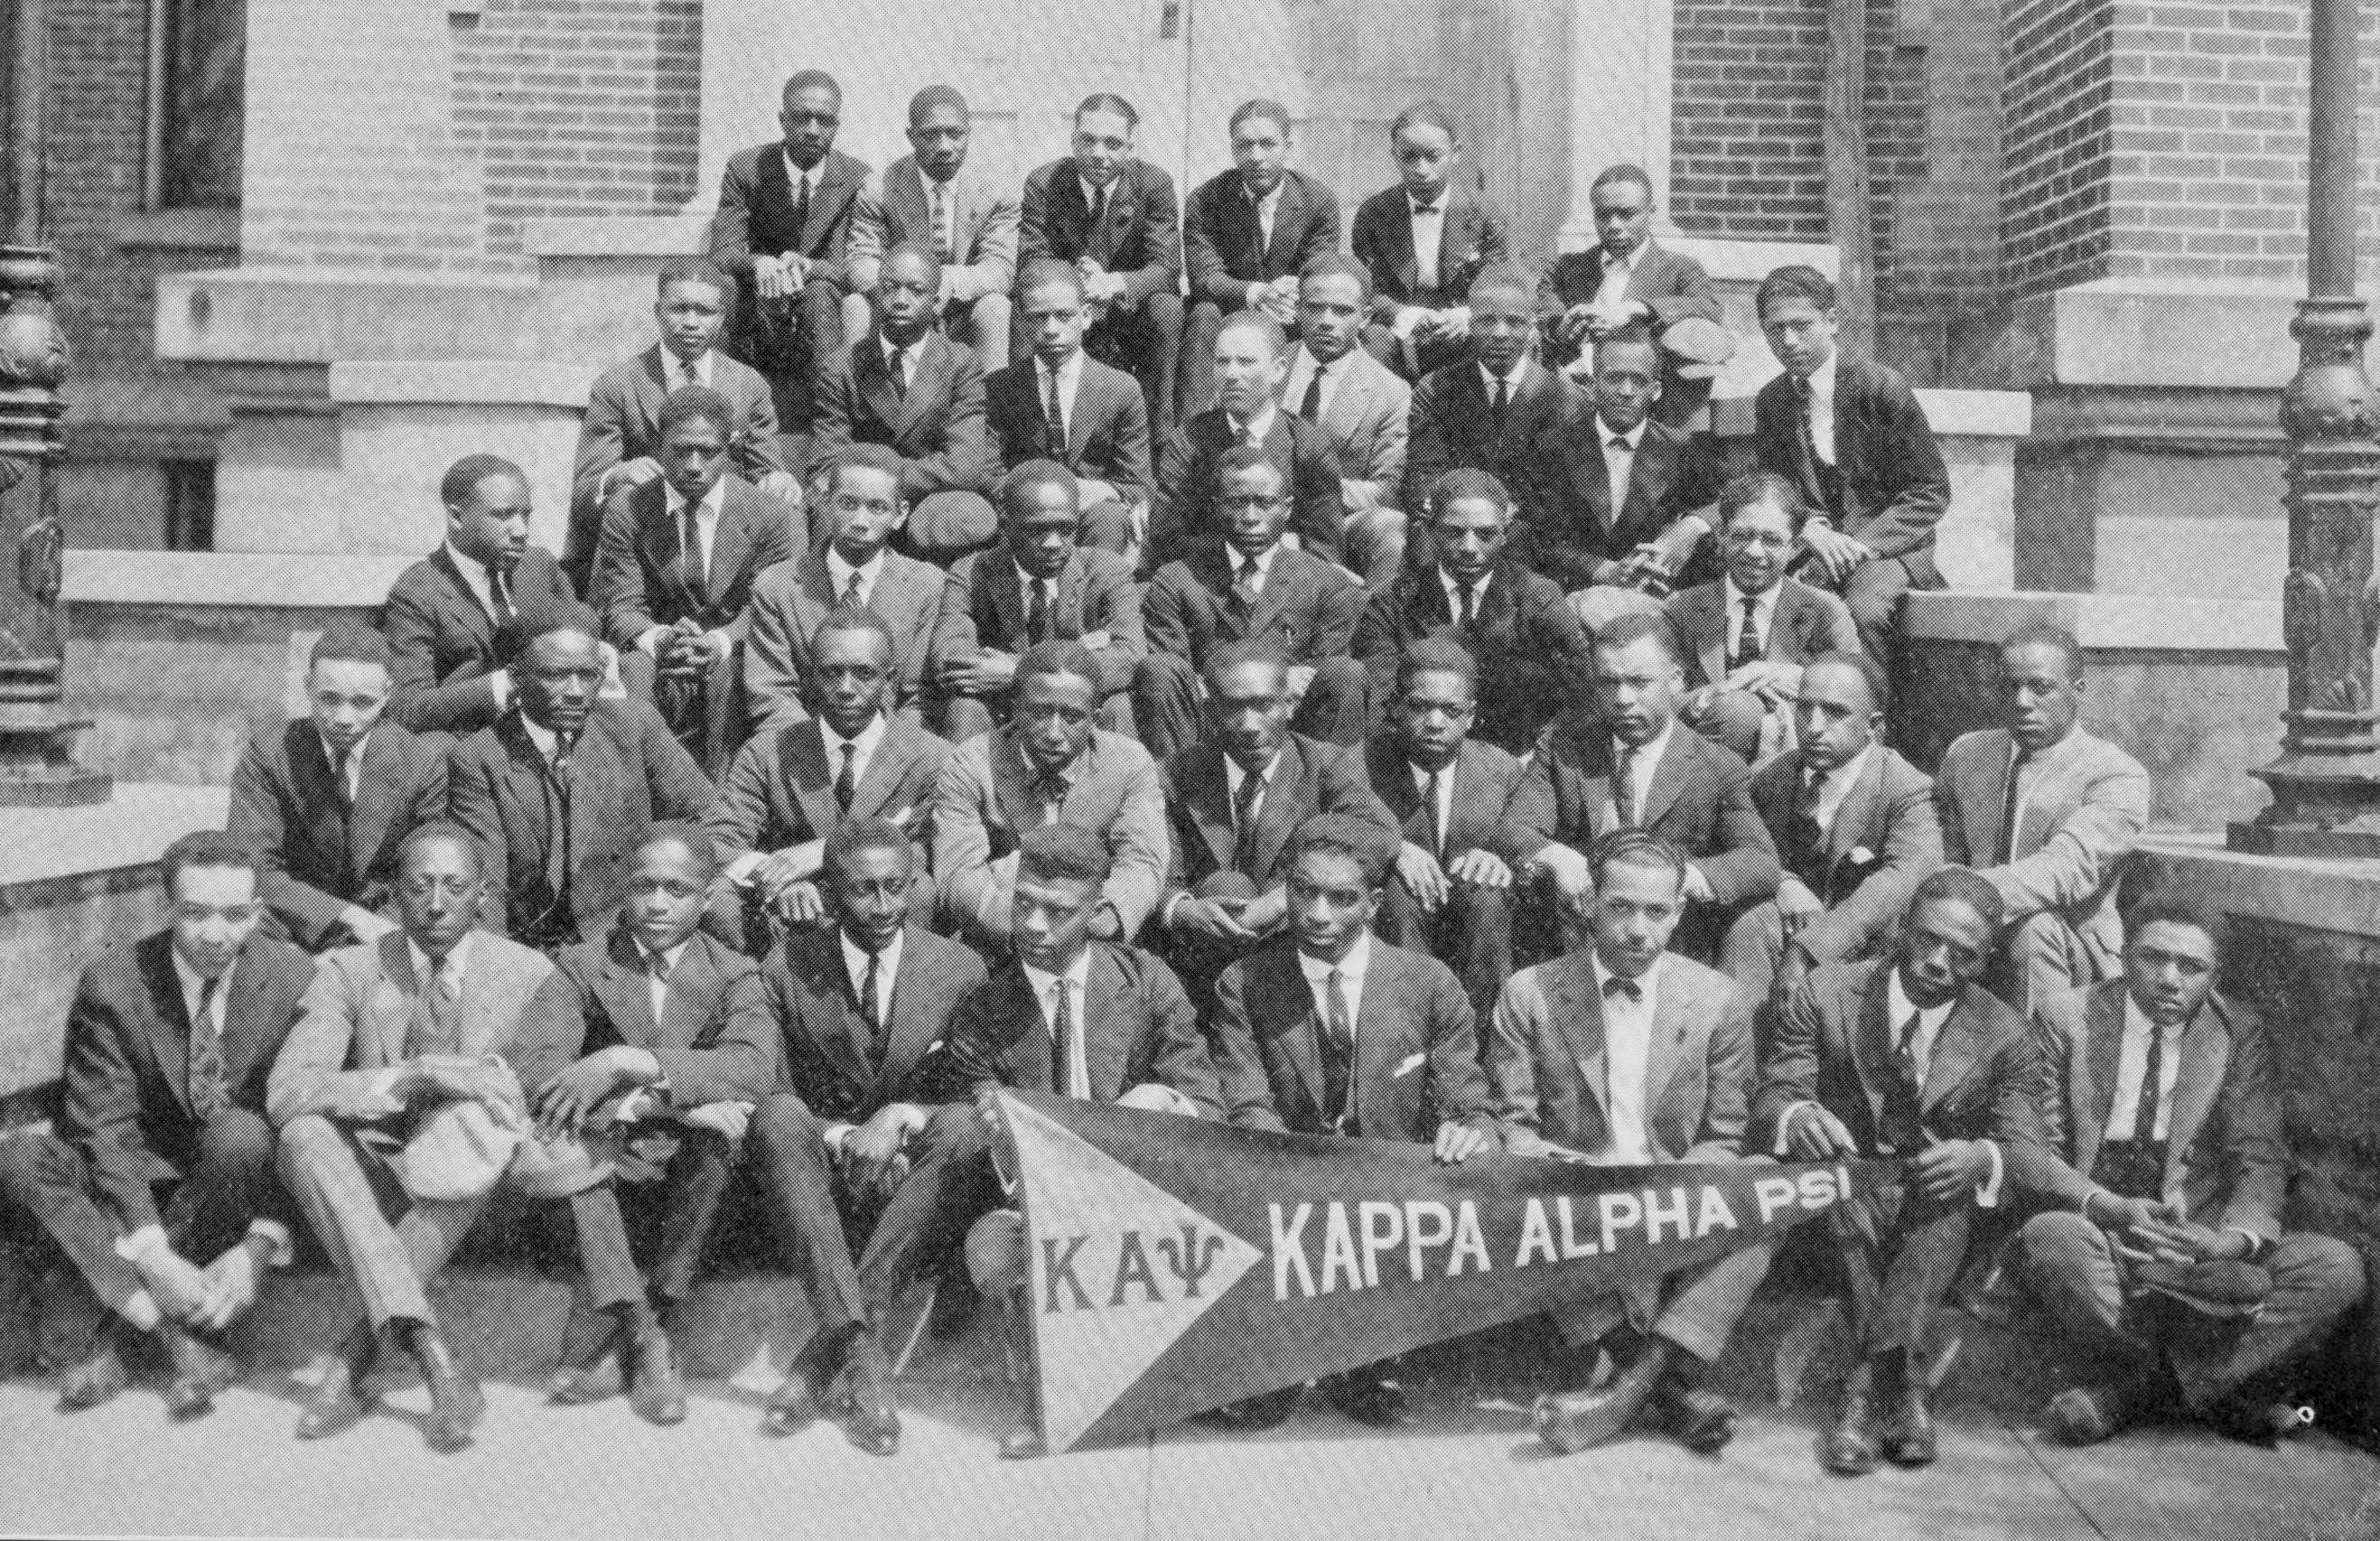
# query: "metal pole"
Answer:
x=25 y=125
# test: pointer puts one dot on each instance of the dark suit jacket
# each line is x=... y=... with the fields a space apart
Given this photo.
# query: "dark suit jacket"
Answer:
x=1138 y=1027
x=1573 y=532
x=1887 y=814
x=1806 y=622
x=625 y=772
x=827 y=1062
x=1142 y=243
x=1184 y=512
x=319 y=856
x=1700 y=801
x=716 y=1040
x=126 y=1101
x=779 y=791
x=1313 y=777
x=1895 y=486
x=1417 y=1047
x=641 y=574
x=984 y=606
x=790 y=599
x=1531 y=650
x=1106 y=438
x=1451 y=425
x=1487 y=783
x=1382 y=240
x=2227 y=1163
x=1832 y=1046
x=1225 y=240
x=1309 y=605
x=756 y=219
x=442 y=644
x=1673 y=284
x=936 y=428
x=623 y=423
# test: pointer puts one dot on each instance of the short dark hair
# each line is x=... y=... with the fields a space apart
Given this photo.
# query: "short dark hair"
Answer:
x=348 y=642
x=1263 y=107
x=1108 y=102
x=924 y=253
x=695 y=269
x=1870 y=673
x=1631 y=334
x=803 y=80
x=1049 y=270
x=854 y=835
x=1437 y=655
x=1755 y=486
x=1424 y=113
x=1228 y=656
x=865 y=457
x=1261 y=324
x=558 y=615
x=1337 y=264
x=1066 y=852
x=1634 y=848
x=1511 y=277
x=1466 y=482
x=216 y=848
x=1372 y=847
x=935 y=96
x=1059 y=655
x=2042 y=634
x=463 y=478
x=1626 y=630
x=1624 y=172
x=852 y=617
x=1036 y=473
x=446 y=830
x=696 y=841
x=1247 y=457
x=690 y=404
x=1966 y=886
x=2170 y=905
x=1794 y=281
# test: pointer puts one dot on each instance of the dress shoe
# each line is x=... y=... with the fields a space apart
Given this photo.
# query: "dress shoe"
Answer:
x=1372 y=1398
x=657 y=1393
x=2256 y=1423
x=793 y=1406
x=1570 y=1422
x=871 y=1418
x=1851 y=1448
x=1702 y=1421
x=2087 y=1414
x=200 y=1370
x=590 y=1368
x=340 y=1402
x=1909 y=1433
x=455 y=1404
x=1256 y=1413
x=95 y=1380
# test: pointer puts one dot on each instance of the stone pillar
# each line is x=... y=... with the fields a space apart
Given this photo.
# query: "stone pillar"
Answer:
x=1619 y=53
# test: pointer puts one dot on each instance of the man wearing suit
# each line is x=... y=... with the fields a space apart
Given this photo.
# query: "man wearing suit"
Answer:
x=1909 y=1058
x=1626 y=280
x=619 y=440
x=860 y=1004
x=1424 y=240
x=1039 y=585
x=1235 y=797
x=1116 y=219
x=1332 y=1030
x=1628 y=1055
x=1627 y=762
x=1249 y=371
x=782 y=230
x=1625 y=499
x=2159 y=1249
x=556 y=790
x=1360 y=407
x=1058 y=402
x=797 y=782
x=2049 y=813
x=1049 y=766
x=153 y=1187
x=1251 y=585
x=928 y=197
x=653 y=1041
x=1850 y=434
x=1854 y=828
x=1247 y=234
x=1453 y=798
x=1516 y=625
x=675 y=573
x=913 y=389
x=1493 y=408
x=1068 y=1014
x=1746 y=636
x=851 y=568
x=396 y=1041
x=453 y=618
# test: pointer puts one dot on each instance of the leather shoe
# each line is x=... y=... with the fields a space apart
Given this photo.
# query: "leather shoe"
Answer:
x=793 y=1406
x=455 y=1404
x=1023 y=1441
x=2086 y=1415
x=1909 y=1434
x=590 y=1368
x=1851 y=1448
x=200 y=1370
x=1255 y=1415
x=1370 y=1398
x=95 y=1380
x=656 y=1394
x=1572 y=1421
x=1702 y=1421
x=339 y=1403
x=2256 y=1423
x=871 y=1418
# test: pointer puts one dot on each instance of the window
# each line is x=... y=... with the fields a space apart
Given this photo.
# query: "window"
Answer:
x=197 y=54
x=189 y=505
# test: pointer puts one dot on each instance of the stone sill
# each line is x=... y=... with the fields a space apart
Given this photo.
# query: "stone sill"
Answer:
x=480 y=382
x=177 y=230
x=2102 y=622
x=129 y=830
x=625 y=236
x=2155 y=333
x=1953 y=414
x=242 y=580
x=1750 y=262
x=2318 y=894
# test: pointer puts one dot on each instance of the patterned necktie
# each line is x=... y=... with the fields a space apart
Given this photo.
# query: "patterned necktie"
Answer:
x=801 y=210
x=1244 y=585
x=1750 y=646
x=1429 y=791
x=687 y=374
x=1053 y=419
x=942 y=235
x=1338 y=1047
x=1808 y=838
x=210 y=1077
x=1244 y=819
x=689 y=540
x=870 y=1011
x=435 y=1029
x=850 y=591
x=1623 y=785
x=1310 y=406
x=1622 y=988
x=2011 y=810
x=500 y=589
x=1095 y=240
x=1037 y=615
x=1903 y=1132
x=892 y=358
x=846 y=781
x=1062 y=1038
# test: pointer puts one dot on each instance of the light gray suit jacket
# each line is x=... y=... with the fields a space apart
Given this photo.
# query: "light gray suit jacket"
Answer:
x=984 y=803
x=1365 y=425
x=623 y=420
x=892 y=208
x=790 y=599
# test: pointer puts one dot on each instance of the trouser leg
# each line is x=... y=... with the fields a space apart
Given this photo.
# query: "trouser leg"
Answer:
x=49 y=1180
x=690 y=1197
x=789 y=1142
x=1931 y=1244
x=604 y=1254
x=1165 y=704
x=2316 y=1280
x=951 y=1182
x=230 y=1184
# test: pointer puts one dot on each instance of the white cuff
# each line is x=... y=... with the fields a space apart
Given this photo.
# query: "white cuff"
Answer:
x=137 y=1248
x=1987 y=1194
x=740 y=870
x=1785 y=1125
x=499 y=682
x=724 y=641
x=649 y=643
x=276 y=1236
x=1408 y=321
x=380 y=1093
x=836 y=1133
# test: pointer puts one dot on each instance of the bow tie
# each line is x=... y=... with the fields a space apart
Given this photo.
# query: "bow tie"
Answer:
x=1429 y=208
x=1615 y=985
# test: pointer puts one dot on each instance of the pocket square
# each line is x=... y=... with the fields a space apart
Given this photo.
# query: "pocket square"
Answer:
x=1405 y=1067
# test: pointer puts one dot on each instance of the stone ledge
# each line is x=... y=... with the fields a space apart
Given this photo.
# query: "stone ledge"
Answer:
x=2114 y=623
x=231 y=579
x=473 y=383
x=638 y=235
x=1750 y=262
x=2135 y=332
x=2320 y=895
x=38 y=846
x=1952 y=413
x=317 y=316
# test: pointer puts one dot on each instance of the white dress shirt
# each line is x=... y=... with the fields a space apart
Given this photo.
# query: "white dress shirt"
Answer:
x=798 y=178
x=1254 y=430
x=1263 y=559
x=675 y=370
x=1627 y=1056
x=2132 y=1065
x=1352 y=969
x=1822 y=409
x=1835 y=786
x=475 y=579
x=1454 y=591
x=1619 y=461
x=887 y=969
x=1303 y=368
x=1266 y=206
x=907 y=353
x=1233 y=776
x=192 y=983
x=1763 y=608
x=352 y=772
x=1428 y=237
x=1070 y=381
x=1074 y=1077
x=1512 y=382
x=656 y=985
x=840 y=573
x=862 y=748
x=1643 y=761
x=1611 y=295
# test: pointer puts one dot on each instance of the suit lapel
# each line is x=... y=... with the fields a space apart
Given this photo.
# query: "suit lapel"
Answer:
x=397 y=1011
x=1711 y=647
x=1672 y=1024
x=1858 y=807
x=625 y=990
x=1007 y=592
x=2205 y=1057
x=876 y=383
x=377 y=789
x=885 y=770
x=1209 y=796
x=169 y=1025
x=802 y=764
x=912 y=1025
x=1106 y=1036
x=244 y=1024
x=1572 y=998
x=826 y=981
x=731 y=545
x=663 y=536
x=463 y=605
x=1956 y=1050
x=2102 y=1046
x=1872 y=1041
x=1669 y=779
x=1283 y=808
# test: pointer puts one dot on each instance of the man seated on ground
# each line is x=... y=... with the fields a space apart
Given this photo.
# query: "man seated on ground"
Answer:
x=860 y=1001
x=453 y=618
x=967 y=219
x=1630 y=1055
x=325 y=801
x=1516 y=624
x=1247 y=233
x=1050 y=765
x=1038 y=585
x=1625 y=762
x=1854 y=828
x=554 y=791
x=674 y=576
x=619 y=440
x=1495 y=409
x=862 y=509
x=1452 y=796
x=1746 y=636
x=153 y=1189
x=1627 y=281
x=2047 y=812
x=1850 y=434
x=1331 y=996
x=1250 y=367
x=1905 y=1059
x=909 y=388
x=797 y=782
x=1424 y=240
x=1360 y=405
x=398 y=1111
x=1250 y=585
x=1058 y=402
x=1068 y=1014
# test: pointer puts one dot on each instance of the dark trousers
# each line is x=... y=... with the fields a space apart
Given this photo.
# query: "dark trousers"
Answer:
x=1471 y=933
x=669 y=1221
x=789 y=1141
x=1146 y=342
x=952 y=1183
x=1165 y=703
x=1920 y=1246
x=796 y=351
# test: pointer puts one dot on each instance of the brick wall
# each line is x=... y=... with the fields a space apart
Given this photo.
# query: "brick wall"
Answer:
x=1747 y=115
x=2060 y=135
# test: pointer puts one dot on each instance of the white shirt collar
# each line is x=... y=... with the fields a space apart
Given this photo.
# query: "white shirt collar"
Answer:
x=1896 y=1007
x=798 y=175
x=839 y=572
x=355 y=758
x=1078 y=975
x=1263 y=560
x=1234 y=775
x=1763 y=604
x=1512 y=382
x=1091 y=190
x=1350 y=968
x=712 y=502
x=191 y=983
x=1629 y=261
x=1414 y=208
x=1634 y=438
x=1068 y=373
x=1256 y=427
x=1822 y=379
x=674 y=368
x=459 y=958
x=1454 y=590
x=474 y=577
x=1268 y=201
x=1649 y=982
x=545 y=738
x=854 y=960
x=670 y=955
x=863 y=746
x=1646 y=755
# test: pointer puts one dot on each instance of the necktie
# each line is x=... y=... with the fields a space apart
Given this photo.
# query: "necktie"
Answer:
x=687 y=374
x=210 y=1077
x=1623 y=785
x=1049 y=791
x=1467 y=600
x=2010 y=811
x=1503 y=400
x=1310 y=406
x=869 y=1012
x=1244 y=587
x=557 y=830
x=801 y=210
x=690 y=538
x=657 y=968
x=1095 y=240
x=2152 y=1084
x=341 y=782
x=1062 y=1038
x=1338 y=1047
x=1808 y=839
x=1037 y=615
x=434 y=1028
x=851 y=593
x=892 y=358
x=1248 y=436
x=846 y=781
x=499 y=589
x=1430 y=790
x=1244 y=819
x=1750 y=646
x=1053 y=420
x=1619 y=987
x=1903 y=1129
x=942 y=243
